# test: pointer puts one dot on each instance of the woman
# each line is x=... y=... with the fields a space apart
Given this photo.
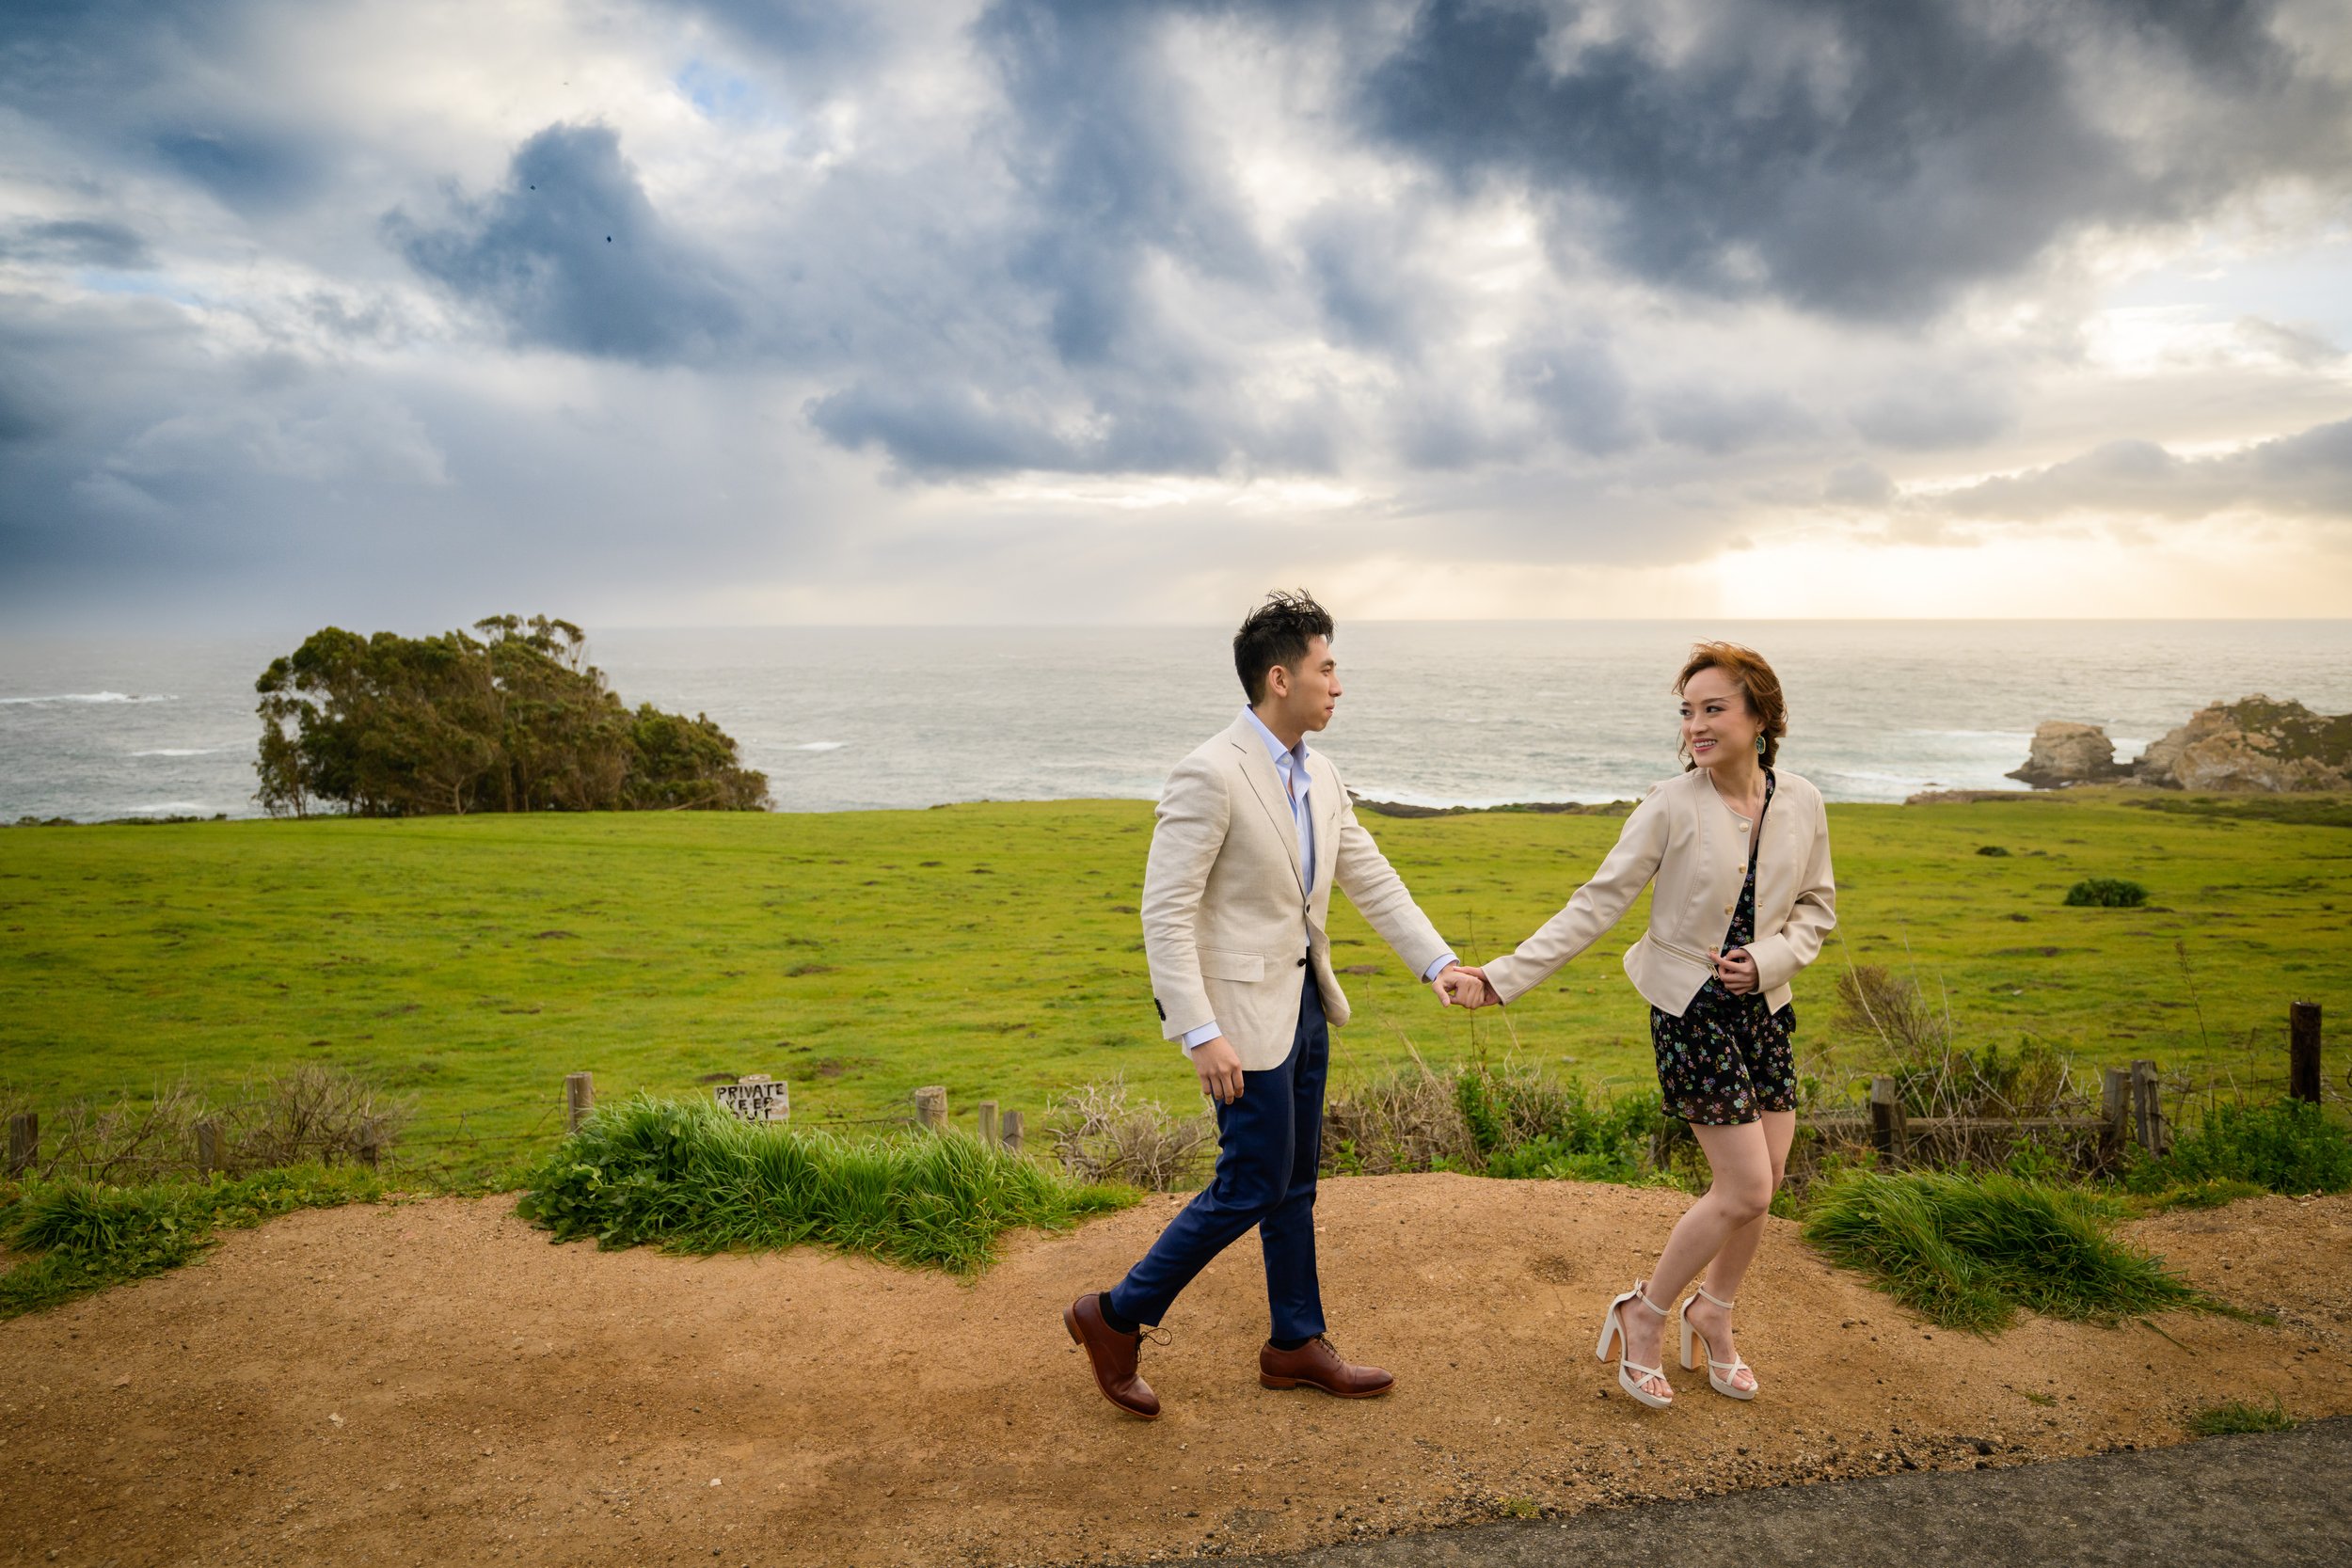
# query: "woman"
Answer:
x=1739 y=854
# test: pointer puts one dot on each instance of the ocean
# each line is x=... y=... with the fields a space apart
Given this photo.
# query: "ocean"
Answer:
x=1434 y=713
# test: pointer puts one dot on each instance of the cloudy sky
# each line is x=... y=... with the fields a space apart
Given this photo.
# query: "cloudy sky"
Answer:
x=673 y=312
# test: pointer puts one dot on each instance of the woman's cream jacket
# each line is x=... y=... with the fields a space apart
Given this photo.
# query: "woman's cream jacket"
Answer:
x=1685 y=838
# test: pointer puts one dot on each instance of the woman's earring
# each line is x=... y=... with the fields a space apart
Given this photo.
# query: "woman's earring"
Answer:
x=1759 y=745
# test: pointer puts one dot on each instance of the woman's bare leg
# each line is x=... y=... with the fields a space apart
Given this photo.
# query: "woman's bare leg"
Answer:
x=1730 y=1264
x=1736 y=1200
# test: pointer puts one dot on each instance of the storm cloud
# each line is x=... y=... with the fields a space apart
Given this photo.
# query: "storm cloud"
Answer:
x=698 y=302
x=1871 y=161
x=569 y=254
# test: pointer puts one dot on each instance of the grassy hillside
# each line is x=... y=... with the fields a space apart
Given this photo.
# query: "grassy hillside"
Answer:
x=995 y=948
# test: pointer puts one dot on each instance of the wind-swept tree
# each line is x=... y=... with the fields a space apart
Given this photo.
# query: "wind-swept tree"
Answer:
x=516 y=720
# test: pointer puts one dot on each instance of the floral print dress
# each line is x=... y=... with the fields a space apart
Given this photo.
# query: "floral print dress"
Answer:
x=1727 y=1060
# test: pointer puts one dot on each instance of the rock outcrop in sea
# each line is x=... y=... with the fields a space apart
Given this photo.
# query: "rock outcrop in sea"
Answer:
x=2251 y=744
x=2065 y=752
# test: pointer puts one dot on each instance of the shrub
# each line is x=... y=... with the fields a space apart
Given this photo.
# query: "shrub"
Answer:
x=313 y=1114
x=692 y=1178
x=1402 y=1121
x=1993 y=849
x=2288 y=1146
x=1968 y=1251
x=1098 y=1137
x=1515 y=1121
x=2107 y=892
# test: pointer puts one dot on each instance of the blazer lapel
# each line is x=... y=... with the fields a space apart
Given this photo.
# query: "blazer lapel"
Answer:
x=1323 y=802
x=1268 y=785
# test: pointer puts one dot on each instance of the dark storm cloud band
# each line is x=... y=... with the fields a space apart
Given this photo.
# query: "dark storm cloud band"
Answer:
x=1871 y=159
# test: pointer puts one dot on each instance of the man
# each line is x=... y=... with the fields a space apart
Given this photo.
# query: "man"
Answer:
x=1254 y=830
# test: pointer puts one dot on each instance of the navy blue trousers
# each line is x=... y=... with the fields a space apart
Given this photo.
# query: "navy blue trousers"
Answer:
x=1268 y=1143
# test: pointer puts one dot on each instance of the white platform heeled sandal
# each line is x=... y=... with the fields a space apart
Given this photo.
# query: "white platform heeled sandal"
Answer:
x=1630 y=1377
x=1719 y=1373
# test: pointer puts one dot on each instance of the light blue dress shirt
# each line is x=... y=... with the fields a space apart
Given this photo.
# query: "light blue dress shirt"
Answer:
x=1291 y=763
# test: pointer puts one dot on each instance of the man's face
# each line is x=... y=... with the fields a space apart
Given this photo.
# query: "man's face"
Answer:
x=1308 y=692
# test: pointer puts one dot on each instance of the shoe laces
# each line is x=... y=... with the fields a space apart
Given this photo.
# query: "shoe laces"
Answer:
x=1157 y=1335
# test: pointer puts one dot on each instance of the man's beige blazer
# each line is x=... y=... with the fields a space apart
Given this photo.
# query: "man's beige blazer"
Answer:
x=1685 y=838
x=1230 y=925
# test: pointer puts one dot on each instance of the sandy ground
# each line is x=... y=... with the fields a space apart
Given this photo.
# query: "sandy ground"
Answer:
x=432 y=1382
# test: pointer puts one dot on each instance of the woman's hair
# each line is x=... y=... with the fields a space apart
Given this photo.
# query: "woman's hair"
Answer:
x=1757 y=685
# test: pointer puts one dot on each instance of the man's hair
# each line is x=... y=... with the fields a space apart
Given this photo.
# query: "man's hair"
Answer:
x=1276 y=632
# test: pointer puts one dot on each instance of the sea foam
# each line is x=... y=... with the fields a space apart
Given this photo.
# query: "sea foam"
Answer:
x=89 y=697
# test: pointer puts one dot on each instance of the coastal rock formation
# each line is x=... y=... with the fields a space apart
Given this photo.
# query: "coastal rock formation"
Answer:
x=2254 y=744
x=2069 y=754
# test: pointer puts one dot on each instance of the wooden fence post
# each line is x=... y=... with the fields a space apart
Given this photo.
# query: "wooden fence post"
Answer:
x=2303 y=1050
x=1887 y=1118
x=2115 y=1104
x=23 y=1141
x=2148 y=1108
x=580 y=1099
x=930 y=1108
x=987 y=1121
x=207 y=1146
x=1012 y=1130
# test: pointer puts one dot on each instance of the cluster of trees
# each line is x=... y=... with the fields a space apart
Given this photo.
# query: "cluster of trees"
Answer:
x=516 y=719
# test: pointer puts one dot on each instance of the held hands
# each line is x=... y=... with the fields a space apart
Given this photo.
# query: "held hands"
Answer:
x=1461 y=986
x=1736 y=970
x=1220 y=1070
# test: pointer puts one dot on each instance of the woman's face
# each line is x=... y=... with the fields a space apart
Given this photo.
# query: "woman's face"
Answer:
x=1717 y=725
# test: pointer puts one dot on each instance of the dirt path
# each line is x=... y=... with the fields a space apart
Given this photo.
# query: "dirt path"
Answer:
x=432 y=1383
x=2281 y=1498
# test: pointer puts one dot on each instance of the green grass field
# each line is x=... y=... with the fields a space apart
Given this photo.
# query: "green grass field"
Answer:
x=995 y=949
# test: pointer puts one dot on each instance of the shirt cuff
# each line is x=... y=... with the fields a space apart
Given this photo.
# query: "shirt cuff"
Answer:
x=1201 y=1035
x=1445 y=961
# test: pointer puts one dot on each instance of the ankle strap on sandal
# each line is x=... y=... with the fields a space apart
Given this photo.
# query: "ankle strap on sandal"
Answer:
x=1702 y=1290
x=1640 y=1294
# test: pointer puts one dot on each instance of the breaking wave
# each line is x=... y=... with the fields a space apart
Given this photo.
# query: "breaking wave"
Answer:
x=89 y=697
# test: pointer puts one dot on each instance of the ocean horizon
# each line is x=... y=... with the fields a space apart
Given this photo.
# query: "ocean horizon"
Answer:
x=1435 y=713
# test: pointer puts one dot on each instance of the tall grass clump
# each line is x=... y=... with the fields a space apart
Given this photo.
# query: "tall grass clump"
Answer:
x=1967 y=1250
x=81 y=1236
x=692 y=1178
x=2287 y=1145
x=1527 y=1124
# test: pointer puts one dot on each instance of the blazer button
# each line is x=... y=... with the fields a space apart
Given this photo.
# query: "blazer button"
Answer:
x=1729 y=907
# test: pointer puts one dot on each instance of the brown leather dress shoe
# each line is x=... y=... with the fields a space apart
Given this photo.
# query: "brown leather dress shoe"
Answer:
x=1318 y=1366
x=1113 y=1354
